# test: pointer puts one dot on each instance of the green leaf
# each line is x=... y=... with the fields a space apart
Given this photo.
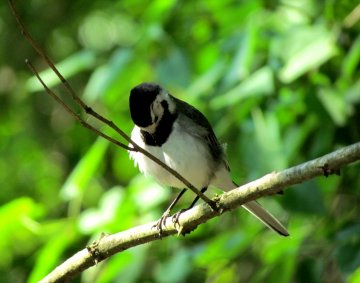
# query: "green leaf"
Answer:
x=19 y=231
x=127 y=266
x=355 y=276
x=348 y=247
x=351 y=60
x=50 y=254
x=335 y=104
x=147 y=194
x=95 y=220
x=173 y=69
x=225 y=246
x=105 y=79
x=305 y=198
x=268 y=139
x=352 y=95
x=158 y=10
x=175 y=269
x=297 y=135
x=205 y=83
x=260 y=83
x=69 y=67
x=103 y=29
x=305 y=49
x=84 y=170
x=240 y=66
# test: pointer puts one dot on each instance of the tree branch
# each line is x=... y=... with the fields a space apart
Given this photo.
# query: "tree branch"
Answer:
x=189 y=220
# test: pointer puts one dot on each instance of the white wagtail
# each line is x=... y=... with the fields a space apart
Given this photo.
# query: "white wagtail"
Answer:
x=180 y=136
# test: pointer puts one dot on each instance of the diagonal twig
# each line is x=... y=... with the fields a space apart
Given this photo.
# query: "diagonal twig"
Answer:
x=90 y=111
x=72 y=112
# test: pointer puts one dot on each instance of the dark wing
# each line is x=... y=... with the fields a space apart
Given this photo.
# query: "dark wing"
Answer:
x=208 y=134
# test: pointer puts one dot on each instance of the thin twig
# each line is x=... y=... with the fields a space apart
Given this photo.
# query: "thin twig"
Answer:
x=189 y=220
x=91 y=112
x=72 y=112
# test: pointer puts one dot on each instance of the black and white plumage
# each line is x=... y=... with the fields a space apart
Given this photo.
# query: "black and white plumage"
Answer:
x=180 y=136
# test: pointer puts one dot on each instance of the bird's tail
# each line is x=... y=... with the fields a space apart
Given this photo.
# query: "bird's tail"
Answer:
x=266 y=217
x=223 y=181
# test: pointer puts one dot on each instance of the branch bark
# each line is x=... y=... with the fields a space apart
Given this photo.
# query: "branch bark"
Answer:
x=189 y=220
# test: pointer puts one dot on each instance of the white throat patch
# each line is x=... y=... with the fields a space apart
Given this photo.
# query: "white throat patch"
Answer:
x=157 y=110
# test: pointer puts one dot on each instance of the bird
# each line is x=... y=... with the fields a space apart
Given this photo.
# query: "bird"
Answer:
x=179 y=135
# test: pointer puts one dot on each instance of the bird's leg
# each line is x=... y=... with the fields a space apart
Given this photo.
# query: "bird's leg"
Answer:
x=175 y=217
x=161 y=222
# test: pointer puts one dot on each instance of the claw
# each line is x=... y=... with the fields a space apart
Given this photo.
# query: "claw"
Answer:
x=175 y=217
x=161 y=222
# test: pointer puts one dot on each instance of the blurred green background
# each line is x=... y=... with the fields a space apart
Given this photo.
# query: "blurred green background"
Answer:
x=279 y=82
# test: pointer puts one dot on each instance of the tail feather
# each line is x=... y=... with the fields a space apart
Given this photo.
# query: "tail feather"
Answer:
x=222 y=180
x=264 y=216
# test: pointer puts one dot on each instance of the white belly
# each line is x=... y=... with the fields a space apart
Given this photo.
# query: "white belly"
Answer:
x=182 y=152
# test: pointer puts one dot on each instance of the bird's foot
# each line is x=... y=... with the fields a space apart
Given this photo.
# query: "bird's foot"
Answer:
x=161 y=223
x=214 y=206
x=175 y=217
x=175 y=220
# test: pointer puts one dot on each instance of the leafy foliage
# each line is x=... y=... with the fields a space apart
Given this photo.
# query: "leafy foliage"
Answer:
x=279 y=81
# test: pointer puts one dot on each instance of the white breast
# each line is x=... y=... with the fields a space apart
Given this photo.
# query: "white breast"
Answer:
x=182 y=152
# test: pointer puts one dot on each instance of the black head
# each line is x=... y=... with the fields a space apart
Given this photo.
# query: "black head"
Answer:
x=141 y=98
